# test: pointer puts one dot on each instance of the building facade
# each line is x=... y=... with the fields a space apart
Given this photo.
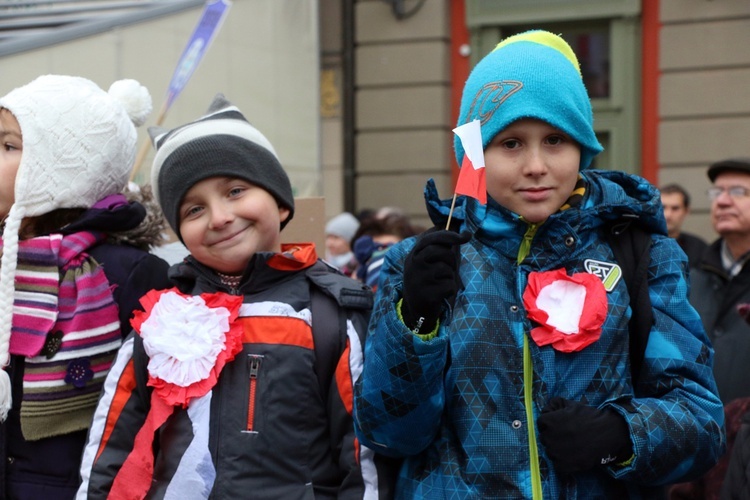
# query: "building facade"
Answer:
x=669 y=80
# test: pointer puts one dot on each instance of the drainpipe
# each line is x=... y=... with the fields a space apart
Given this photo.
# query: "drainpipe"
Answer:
x=650 y=75
x=349 y=153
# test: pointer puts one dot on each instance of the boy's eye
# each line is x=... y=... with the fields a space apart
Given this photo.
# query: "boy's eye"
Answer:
x=511 y=143
x=236 y=191
x=9 y=147
x=192 y=211
x=554 y=140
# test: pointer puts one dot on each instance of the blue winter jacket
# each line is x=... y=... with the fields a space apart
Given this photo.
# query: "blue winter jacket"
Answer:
x=461 y=408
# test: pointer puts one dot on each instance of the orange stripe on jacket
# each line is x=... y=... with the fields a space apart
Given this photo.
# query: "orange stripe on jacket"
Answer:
x=344 y=380
x=125 y=387
x=277 y=330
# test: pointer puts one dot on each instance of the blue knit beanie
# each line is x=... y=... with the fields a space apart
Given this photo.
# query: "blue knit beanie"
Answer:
x=534 y=74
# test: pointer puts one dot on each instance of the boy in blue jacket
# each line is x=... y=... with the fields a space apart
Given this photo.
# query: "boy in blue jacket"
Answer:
x=497 y=360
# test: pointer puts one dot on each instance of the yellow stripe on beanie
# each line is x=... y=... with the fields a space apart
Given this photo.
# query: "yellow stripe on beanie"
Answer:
x=544 y=38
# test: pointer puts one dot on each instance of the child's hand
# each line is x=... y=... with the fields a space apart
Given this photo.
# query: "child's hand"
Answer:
x=431 y=277
x=578 y=437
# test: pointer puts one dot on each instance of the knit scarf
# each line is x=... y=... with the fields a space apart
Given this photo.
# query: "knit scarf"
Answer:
x=66 y=325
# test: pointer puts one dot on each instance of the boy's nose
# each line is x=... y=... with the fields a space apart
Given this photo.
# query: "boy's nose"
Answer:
x=220 y=217
x=535 y=163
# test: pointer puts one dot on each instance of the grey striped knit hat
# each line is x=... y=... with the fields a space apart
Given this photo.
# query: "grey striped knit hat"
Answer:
x=220 y=143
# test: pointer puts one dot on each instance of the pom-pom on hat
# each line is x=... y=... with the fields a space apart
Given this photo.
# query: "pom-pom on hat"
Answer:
x=79 y=144
x=534 y=74
x=221 y=143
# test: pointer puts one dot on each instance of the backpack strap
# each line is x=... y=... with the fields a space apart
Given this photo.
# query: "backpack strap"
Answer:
x=332 y=295
x=140 y=365
x=327 y=318
x=631 y=245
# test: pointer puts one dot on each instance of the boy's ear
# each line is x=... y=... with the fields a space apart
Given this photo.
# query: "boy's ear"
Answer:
x=283 y=214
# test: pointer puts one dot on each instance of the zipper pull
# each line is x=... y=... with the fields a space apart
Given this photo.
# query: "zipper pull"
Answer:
x=254 y=366
x=254 y=369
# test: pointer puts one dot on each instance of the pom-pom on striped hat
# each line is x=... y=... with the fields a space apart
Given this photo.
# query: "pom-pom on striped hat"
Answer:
x=79 y=144
x=221 y=143
x=534 y=74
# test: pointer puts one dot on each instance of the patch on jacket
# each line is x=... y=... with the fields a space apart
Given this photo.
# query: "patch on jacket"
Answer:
x=609 y=273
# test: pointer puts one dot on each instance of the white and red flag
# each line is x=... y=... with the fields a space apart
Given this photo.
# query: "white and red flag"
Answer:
x=471 y=181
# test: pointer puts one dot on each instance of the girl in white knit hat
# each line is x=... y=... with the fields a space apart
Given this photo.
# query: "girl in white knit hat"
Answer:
x=67 y=283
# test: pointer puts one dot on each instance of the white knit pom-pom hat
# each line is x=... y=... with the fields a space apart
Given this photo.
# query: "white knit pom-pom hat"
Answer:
x=79 y=144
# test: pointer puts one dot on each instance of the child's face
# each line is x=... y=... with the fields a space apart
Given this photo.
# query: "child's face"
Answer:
x=224 y=221
x=532 y=168
x=336 y=245
x=10 y=158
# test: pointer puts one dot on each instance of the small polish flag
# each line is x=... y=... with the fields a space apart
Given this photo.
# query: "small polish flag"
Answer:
x=471 y=181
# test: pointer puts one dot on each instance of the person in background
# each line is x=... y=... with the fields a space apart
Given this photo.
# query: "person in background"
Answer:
x=676 y=202
x=722 y=280
x=720 y=291
x=339 y=232
x=74 y=264
x=233 y=384
x=497 y=359
x=373 y=239
x=730 y=477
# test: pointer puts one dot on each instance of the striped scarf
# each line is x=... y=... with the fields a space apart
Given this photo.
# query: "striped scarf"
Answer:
x=66 y=325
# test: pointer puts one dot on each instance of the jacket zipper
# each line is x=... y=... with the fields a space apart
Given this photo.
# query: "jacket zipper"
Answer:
x=528 y=383
x=254 y=360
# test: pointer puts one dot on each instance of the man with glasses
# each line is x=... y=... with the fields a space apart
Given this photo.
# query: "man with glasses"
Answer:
x=722 y=280
x=719 y=286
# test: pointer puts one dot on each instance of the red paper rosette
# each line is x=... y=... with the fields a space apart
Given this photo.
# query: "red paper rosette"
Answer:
x=569 y=309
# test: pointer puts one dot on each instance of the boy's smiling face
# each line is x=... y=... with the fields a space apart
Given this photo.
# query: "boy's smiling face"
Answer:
x=532 y=168
x=10 y=159
x=224 y=221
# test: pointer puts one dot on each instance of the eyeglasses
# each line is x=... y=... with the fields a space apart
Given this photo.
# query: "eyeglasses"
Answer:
x=734 y=192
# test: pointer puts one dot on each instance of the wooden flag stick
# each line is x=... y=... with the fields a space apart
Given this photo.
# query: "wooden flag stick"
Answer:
x=146 y=146
x=450 y=214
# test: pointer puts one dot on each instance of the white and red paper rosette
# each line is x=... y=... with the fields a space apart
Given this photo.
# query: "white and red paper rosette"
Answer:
x=188 y=339
x=570 y=310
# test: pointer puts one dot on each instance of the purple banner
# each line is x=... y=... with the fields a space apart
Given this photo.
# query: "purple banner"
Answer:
x=209 y=24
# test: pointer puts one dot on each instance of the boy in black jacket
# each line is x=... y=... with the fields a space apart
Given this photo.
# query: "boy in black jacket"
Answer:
x=230 y=387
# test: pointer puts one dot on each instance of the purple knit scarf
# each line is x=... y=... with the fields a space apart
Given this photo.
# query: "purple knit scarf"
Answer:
x=66 y=324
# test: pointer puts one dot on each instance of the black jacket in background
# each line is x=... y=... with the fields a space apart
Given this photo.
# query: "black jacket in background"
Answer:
x=49 y=468
x=693 y=246
x=715 y=296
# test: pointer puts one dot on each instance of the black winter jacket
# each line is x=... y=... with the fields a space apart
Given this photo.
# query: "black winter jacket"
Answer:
x=276 y=431
x=715 y=296
x=737 y=480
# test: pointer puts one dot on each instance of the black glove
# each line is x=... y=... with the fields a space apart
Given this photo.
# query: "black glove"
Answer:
x=431 y=277
x=578 y=437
